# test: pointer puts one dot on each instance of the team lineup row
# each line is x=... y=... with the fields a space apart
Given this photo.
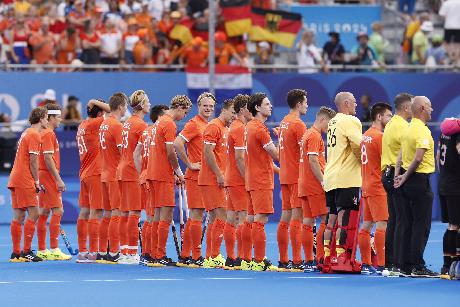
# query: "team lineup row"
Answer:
x=129 y=167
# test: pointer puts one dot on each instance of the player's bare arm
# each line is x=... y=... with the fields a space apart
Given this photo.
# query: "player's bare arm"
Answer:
x=172 y=158
x=419 y=153
x=137 y=157
x=211 y=161
x=239 y=158
x=33 y=165
x=51 y=166
x=102 y=105
x=179 y=145
x=315 y=167
x=273 y=151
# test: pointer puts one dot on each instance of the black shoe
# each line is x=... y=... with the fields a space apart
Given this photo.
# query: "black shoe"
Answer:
x=30 y=257
x=297 y=267
x=184 y=262
x=165 y=261
x=101 y=258
x=423 y=272
x=145 y=259
x=229 y=264
x=284 y=266
x=16 y=258
x=444 y=270
x=198 y=263
x=112 y=259
x=237 y=263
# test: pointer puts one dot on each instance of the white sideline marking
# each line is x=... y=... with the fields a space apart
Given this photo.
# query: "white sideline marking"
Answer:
x=43 y=281
x=6 y=282
x=158 y=279
x=102 y=280
x=226 y=278
x=314 y=277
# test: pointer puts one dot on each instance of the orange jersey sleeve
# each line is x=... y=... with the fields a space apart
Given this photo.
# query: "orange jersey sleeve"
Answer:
x=110 y=141
x=312 y=144
x=89 y=147
x=371 y=154
x=29 y=143
x=259 y=172
x=193 y=135
x=158 y=167
x=235 y=141
x=50 y=145
x=132 y=131
x=290 y=135
x=214 y=134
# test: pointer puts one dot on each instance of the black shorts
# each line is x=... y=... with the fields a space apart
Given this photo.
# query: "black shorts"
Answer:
x=450 y=209
x=452 y=35
x=338 y=199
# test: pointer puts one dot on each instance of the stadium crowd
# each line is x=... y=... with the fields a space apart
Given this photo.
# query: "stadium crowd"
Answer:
x=138 y=32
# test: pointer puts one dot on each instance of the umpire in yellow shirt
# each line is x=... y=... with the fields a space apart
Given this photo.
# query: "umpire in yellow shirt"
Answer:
x=417 y=148
x=391 y=146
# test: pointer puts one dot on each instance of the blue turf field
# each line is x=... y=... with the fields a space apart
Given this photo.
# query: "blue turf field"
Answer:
x=71 y=284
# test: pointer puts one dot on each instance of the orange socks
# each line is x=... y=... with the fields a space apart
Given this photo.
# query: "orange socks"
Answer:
x=208 y=239
x=196 y=233
x=283 y=241
x=230 y=238
x=217 y=235
x=133 y=234
x=146 y=235
x=246 y=241
x=259 y=238
x=16 y=234
x=154 y=239
x=114 y=234
x=82 y=233
x=104 y=234
x=307 y=242
x=123 y=231
x=319 y=242
x=296 y=240
x=187 y=243
x=163 y=231
x=55 y=226
x=364 y=240
x=41 y=232
x=93 y=229
x=29 y=229
x=380 y=246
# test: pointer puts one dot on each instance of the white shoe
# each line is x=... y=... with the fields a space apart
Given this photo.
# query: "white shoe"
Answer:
x=132 y=259
x=123 y=259
x=82 y=257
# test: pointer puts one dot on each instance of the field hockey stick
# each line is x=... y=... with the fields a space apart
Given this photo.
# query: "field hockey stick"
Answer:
x=139 y=227
x=205 y=226
x=187 y=211
x=314 y=239
x=181 y=217
x=176 y=241
x=67 y=243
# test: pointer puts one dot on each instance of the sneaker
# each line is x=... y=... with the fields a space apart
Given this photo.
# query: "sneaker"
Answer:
x=457 y=271
x=198 y=263
x=383 y=271
x=367 y=269
x=165 y=261
x=453 y=270
x=219 y=261
x=101 y=258
x=122 y=259
x=311 y=267
x=284 y=266
x=423 y=272
x=229 y=264
x=238 y=263
x=145 y=259
x=57 y=254
x=16 y=258
x=130 y=259
x=395 y=272
x=214 y=263
x=264 y=265
x=245 y=265
x=91 y=257
x=81 y=257
x=112 y=259
x=184 y=262
x=298 y=267
x=444 y=273
x=30 y=257
x=45 y=254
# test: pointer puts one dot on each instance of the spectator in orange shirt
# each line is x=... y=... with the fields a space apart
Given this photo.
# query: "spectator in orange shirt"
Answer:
x=243 y=54
x=67 y=47
x=43 y=44
x=164 y=53
x=33 y=19
x=195 y=55
x=224 y=51
x=165 y=24
x=143 y=18
x=143 y=49
x=90 y=43
x=78 y=16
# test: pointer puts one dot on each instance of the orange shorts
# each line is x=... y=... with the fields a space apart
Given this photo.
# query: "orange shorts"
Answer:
x=111 y=197
x=289 y=197
x=162 y=194
x=262 y=201
x=91 y=193
x=130 y=196
x=51 y=197
x=215 y=197
x=194 y=199
x=314 y=205
x=375 y=208
x=237 y=198
x=22 y=198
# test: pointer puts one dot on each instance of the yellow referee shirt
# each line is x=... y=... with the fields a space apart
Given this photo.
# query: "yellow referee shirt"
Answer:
x=418 y=136
x=343 y=168
x=391 y=142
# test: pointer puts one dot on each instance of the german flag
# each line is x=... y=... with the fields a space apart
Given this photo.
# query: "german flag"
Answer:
x=182 y=31
x=237 y=16
x=275 y=26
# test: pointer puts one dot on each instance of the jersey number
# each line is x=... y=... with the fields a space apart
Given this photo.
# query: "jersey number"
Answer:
x=81 y=145
x=331 y=138
x=442 y=159
x=102 y=139
x=364 y=158
x=124 y=136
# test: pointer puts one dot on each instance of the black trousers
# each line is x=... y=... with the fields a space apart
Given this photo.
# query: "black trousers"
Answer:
x=415 y=198
x=390 y=236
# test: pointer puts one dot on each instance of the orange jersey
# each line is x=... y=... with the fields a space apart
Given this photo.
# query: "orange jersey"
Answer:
x=144 y=140
x=235 y=141
x=193 y=135
x=132 y=131
x=371 y=154
x=214 y=134
x=163 y=132
x=259 y=167
x=89 y=147
x=29 y=143
x=50 y=145
x=110 y=141
x=312 y=144
x=290 y=135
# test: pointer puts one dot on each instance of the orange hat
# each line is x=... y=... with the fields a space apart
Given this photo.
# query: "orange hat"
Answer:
x=142 y=32
x=197 y=41
x=220 y=36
